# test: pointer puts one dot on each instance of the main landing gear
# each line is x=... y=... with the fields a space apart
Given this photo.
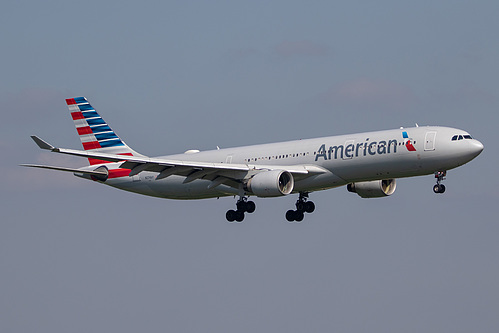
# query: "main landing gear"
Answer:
x=439 y=188
x=302 y=206
x=243 y=206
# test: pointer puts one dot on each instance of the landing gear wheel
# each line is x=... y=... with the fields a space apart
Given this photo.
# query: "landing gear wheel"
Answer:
x=309 y=207
x=246 y=206
x=242 y=206
x=302 y=206
x=299 y=216
x=439 y=188
x=250 y=207
x=239 y=216
x=230 y=215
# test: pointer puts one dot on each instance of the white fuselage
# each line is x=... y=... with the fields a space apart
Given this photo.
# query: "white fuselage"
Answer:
x=345 y=159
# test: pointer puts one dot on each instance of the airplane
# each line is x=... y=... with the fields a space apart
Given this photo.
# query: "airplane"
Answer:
x=368 y=164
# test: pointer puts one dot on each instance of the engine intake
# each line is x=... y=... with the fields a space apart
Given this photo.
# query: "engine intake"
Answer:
x=272 y=183
x=373 y=189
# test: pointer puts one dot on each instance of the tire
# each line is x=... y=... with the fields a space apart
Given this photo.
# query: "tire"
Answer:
x=300 y=206
x=309 y=207
x=290 y=215
x=442 y=188
x=241 y=206
x=250 y=207
x=239 y=216
x=230 y=215
x=436 y=188
x=299 y=216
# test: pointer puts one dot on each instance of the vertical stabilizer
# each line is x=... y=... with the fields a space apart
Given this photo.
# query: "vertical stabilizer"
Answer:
x=95 y=134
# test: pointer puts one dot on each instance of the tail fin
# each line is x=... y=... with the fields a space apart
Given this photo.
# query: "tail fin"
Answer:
x=95 y=134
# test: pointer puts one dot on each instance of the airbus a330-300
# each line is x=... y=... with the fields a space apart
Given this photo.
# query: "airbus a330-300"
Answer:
x=367 y=163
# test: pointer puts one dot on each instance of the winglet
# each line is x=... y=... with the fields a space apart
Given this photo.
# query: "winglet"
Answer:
x=42 y=144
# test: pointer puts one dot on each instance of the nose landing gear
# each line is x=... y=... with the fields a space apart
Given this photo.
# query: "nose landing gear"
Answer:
x=440 y=176
x=243 y=206
x=302 y=206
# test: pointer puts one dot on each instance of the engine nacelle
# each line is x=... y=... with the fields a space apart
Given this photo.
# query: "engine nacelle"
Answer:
x=272 y=183
x=373 y=189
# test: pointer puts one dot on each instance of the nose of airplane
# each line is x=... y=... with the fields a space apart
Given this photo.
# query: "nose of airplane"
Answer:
x=476 y=147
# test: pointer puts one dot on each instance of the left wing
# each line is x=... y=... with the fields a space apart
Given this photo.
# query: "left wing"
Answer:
x=192 y=170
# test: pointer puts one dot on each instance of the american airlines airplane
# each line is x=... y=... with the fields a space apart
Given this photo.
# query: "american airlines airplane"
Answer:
x=367 y=163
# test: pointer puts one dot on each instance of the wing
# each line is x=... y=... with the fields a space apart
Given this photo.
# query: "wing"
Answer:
x=230 y=174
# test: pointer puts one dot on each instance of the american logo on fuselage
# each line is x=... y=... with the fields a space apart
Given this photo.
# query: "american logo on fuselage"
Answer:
x=408 y=142
x=364 y=148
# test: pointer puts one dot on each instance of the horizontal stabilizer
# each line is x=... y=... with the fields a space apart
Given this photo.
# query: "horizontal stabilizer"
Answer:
x=93 y=173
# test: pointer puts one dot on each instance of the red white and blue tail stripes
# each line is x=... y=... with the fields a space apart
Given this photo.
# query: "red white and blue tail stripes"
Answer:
x=94 y=132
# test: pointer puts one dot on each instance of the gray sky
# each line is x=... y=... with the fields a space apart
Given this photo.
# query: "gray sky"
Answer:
x=175 y=75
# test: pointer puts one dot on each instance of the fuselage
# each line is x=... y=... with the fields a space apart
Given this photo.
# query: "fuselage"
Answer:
x=368 y=163
x=345 y=159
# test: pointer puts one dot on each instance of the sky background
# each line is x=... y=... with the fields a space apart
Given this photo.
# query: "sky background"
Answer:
x=169 y=76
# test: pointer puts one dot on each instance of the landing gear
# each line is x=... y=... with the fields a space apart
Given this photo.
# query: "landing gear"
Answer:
x=243 y=206
x=439 y=188
x=302 y=206
x=440 y=176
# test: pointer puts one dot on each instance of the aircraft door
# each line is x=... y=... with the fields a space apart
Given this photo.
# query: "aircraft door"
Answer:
x=228 y=160
x=429 y=141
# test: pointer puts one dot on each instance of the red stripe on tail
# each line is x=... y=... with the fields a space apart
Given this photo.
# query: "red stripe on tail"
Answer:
x=94 y=161
x=91 y=145
x=77 y=115
x=84 y=130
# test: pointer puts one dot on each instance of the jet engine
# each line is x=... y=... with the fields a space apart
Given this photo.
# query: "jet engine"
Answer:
x=273 y=183
x=373 y=189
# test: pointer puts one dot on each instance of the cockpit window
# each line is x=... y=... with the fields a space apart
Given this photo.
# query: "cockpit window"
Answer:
x=461 y=137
